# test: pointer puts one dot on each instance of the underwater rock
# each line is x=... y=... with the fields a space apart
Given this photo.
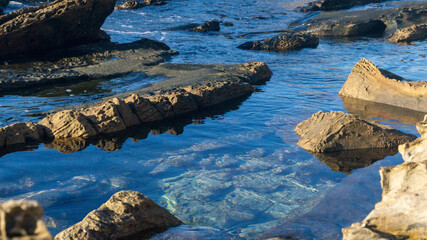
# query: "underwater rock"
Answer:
x=284 y=43
x=410 y=34
x=212 y=25
x=56 y=25
x=338 y=131
x=329 y=5
x=369 y=83
x=126 y=215
x=22 y=220
x=132 y=4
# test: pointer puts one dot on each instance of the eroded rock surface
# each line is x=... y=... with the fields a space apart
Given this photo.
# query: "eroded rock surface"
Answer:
x=21 y=220
x=369 y=83
x=126 y=215
x=402 y=212
x=337 y=131
x=410 y=34
x=132 y=4
x=63 y=23
x=328 y=5
x=283 y=43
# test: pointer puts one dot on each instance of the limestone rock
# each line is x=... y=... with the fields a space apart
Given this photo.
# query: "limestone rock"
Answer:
x=410 y=34
x=283 y=43
x=21 y=220
x=20 y=133
x=126 y=215
x=337 y=131
x=328 y=5
x=62 y=23
x=369 y=83
x=68 y=124
x=145 y=111
x=162 y=104
x=106 y=117
x=129 y=118
x=182 y=102
x=212 y=25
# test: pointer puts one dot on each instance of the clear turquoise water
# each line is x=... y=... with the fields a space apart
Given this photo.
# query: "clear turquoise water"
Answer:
x=234 y=171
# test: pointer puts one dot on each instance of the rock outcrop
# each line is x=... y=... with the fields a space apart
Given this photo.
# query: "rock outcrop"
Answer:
x=21 y=133
x=126 y=215
x=132 y=4
x=410 y=34
x=212 y=25
x=402 y=212
x=329 y=5
x=283 y=43
x=63 y=23
x=21 y=220
x=338 y=131
x=369 y=83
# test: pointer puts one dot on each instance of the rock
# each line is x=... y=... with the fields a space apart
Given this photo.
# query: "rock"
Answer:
x=145 y=111
x=212 y=25
x=21 y=133
x=338 y=131
x=106 y=117
x=126 y=215
x=228 y=24
x=182 y=102
x=132 y=4
x=329 y=5
x=283 y=43
x=68 y=124
x=369 y=83
x=21 y=220
x=57 y=25
x=126 y=113
x=410 y=34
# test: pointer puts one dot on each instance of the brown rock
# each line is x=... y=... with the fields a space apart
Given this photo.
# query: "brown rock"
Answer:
x=68 y=145
x=145 y=111
x=106 y=117
x=337 y=131
x=182 y=102
x=62 y=23
x=21 y=220
x=126 y=215
x=68 y=124
x=162 y=104
x=369 y=83
x=410 y=34
x=20 y=133
x=129 y=118
x=284 y=43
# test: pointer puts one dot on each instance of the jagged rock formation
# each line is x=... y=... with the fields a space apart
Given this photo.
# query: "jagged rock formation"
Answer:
x=410 y=34
x=402 y=212
x=21 y=220
x=63 y=23
x=126 y=215
x=329 y=5
x=338 y=131
x=369 y=83
x=283 y=43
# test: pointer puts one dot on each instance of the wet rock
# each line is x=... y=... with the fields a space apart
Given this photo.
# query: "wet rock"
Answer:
x=410 y=34
x=369 y=83
x=68 y=124
x=57 y=25
x=228 y=24
x=338 y=131
x=329 y=5
x=132 y=4
x=21 y=133
x=126 y=215
x=283 y=43
x=68 y=145
x=21 y=220
x=212 y=25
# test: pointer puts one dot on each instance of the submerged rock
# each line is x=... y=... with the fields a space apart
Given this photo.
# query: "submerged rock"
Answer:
x=402 y=212
x=132 y=4
x=329 y=5
x=126 y=215
x=283 y=43
x=212 y=25
x=338 y=131
x=21 y=220
x=63 y=23
x=369 y=83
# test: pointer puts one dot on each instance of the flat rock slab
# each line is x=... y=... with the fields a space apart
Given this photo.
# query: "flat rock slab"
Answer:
x=126 y=215
x=338 y=131
x=283 y=43
x=369 y=83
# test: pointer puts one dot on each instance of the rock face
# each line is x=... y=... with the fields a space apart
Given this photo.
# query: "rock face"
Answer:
x=126 y=215
x=328 y=5
x=410 y=34
x=337 y=131
x=21 y=220
x=57 y=25
x=402 y=212
x=369 y=83
x=283 y=43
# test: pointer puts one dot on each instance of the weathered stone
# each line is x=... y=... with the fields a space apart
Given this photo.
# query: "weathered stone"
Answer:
x=162 y=104
x=129 y=118
x=410 y=34
x=182 y=102
x=132 y=4
x=328 y=5
x=369 y=83
x=57 y=25
x=212 y=25
x=337 y=131
x=126 y=215
x=21 y=220
x=145 y=111
x=68 y=124
x=20 y=133
x=283 y=43
x=106 y=117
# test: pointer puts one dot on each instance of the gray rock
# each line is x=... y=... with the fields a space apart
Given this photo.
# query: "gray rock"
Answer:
x=328 y=5
x=283 y=43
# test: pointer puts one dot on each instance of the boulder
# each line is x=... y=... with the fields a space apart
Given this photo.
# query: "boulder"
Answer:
x=63 y=23
x=329 y=5
x=369 y=83
x=410 y=34
x=338 y=131
x=212 y=25
x=126 y=215
x=21 y=220
x=283 y=43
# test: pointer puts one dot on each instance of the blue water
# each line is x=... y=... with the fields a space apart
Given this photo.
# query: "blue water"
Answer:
x=233 y=172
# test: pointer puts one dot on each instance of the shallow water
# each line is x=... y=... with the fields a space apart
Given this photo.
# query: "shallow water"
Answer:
x=233 y=171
